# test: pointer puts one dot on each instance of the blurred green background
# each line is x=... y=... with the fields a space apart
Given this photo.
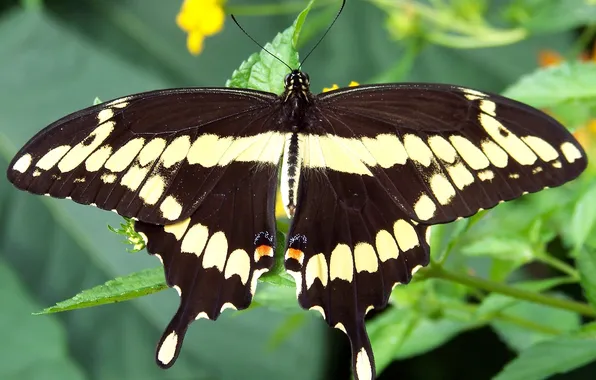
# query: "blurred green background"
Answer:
x=57 y=56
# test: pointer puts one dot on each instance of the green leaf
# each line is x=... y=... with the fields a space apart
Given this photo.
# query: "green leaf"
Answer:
x=261 y=71
x=120 y=289
x=548 y=358
x=511 y=248
x=553 y=321
x=566 y=85
x=586 y=264
x=299 y=23
x=583 y=219
x=548 y=16
x=387 y=333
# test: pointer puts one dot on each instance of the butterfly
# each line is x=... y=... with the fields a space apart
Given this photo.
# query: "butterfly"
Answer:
x=363 y=173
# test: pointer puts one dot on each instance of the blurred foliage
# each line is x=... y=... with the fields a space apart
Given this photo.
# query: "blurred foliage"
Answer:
x=526 y=270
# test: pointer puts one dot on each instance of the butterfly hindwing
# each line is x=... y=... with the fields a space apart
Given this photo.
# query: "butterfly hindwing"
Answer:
x=151 y=156
x=348 y=246
x=214 y=257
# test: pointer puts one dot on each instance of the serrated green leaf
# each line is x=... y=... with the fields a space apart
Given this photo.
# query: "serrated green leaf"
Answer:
x=261 y=71
x=586 y=264
x=549 y=358
x=551 y=320
x=511 y=248
x=120 y=289
x=568 y=84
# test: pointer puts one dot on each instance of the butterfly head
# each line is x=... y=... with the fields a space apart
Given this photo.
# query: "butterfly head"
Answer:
x=297 y=82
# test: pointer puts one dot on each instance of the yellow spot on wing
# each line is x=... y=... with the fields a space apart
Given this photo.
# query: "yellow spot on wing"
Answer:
x=79 y=152
x=386 y=149
x=405 y=234
x=176 y=151
x=337 y=157
x=365 y=258
x=570 y=152
x=105 y=115
x=216 y=251
x=108 y=178
x=363 y=366
x=151 y=151
x=238 y=264
x=316 y=268
x=167 y=349
x=470 y=153
x=124 y=156
x=424 y=207
x=442 y=149
x=177 y=229
x=442 y=188
x=170 y=208
x=386 y=247
x=98 y=158
x=195 y=239
x=497 y=156
x=152 y=190
x=341 y=265
x=52 y=157
x=504 y=137
x=418 y=150
x=207 y=150
x=544 y=150
x=460 y=175
x=134 y=177
x=486 y=175
x=23 y=163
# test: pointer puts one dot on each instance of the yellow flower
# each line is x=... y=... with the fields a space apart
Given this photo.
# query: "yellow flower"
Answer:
x=335 y=87
x=200 y=19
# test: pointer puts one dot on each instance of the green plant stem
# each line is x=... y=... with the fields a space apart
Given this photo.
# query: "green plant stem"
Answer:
x=521 y=322
x=436 y=271
x=559 y=265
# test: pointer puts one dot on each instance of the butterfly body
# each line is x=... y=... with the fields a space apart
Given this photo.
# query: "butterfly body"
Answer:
x=363 y=173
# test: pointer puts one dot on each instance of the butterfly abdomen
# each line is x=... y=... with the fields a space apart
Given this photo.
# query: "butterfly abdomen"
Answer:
x=290 y=172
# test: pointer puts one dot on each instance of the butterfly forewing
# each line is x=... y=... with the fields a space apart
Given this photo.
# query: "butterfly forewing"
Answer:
x=442 y=151
x=153 y=156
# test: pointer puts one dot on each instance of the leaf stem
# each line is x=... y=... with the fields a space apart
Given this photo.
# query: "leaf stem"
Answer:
x=559 y=265
x=436 y=271
x=522 y=322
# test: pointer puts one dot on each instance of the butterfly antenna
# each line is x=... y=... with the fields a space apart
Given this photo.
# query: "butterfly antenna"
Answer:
x=324 y=34
x=258 y=44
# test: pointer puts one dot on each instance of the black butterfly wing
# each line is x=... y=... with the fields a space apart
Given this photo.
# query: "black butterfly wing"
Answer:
x=382 y=163
x=153 y=156
x=348 y=246
x=459 y=149
x=215 y=257
x=198 y=170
